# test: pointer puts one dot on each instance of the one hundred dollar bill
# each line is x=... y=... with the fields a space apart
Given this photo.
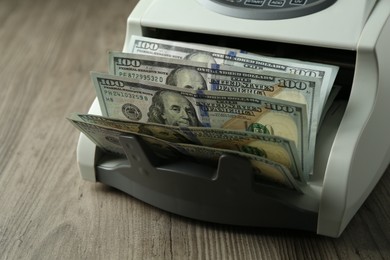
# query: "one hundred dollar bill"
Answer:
x=274 y=148
x=266 y=171
x=143 y=101
x=235 y=57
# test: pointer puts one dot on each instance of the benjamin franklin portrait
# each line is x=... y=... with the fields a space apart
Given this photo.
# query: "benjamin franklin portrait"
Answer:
x=171 y=108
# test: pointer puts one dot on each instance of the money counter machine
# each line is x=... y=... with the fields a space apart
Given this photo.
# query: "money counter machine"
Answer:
x=353 y=142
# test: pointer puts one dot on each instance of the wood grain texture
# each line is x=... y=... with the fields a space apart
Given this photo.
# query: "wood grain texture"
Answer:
x=47 y=211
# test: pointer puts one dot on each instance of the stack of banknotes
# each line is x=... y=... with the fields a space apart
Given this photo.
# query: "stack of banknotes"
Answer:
x=198 y=102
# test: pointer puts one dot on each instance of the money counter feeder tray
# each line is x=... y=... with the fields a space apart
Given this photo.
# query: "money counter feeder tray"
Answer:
x=353 y=143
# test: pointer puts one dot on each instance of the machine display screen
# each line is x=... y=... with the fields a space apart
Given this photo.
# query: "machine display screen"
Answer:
x=266 y=9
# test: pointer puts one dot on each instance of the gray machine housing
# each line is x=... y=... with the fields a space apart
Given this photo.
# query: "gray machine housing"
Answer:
x=353 y=143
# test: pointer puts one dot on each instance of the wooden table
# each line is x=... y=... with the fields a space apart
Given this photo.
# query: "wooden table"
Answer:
x=47 y=211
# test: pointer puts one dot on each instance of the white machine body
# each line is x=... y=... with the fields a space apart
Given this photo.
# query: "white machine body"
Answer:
x=355 y=156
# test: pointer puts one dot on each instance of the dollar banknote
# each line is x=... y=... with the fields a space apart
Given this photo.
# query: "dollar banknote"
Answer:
x=195 y=75
x=143 y=101
x=266 y=171
x=274 y=148
x=235 y=57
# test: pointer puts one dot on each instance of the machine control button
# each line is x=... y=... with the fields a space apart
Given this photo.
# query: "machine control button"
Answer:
x=254 y=2
x=298 y=2
x=277 y=3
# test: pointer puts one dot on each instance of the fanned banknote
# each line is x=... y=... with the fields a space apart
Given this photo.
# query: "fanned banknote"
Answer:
x=274 y=148
x=268 y=172
x=197 y=75
x=156 y=103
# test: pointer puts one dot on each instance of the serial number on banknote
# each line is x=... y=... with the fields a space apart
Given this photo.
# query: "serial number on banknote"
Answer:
x=146 y=77
x=114 y=93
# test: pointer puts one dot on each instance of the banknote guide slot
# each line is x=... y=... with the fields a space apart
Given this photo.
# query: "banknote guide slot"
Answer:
x=180 y=189
x=139 y=152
